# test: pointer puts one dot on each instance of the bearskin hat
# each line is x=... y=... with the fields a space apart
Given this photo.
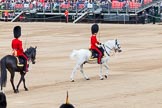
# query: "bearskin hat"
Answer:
x=3 y=101
x=66 y=106
x=17 y=31
x=94 y=28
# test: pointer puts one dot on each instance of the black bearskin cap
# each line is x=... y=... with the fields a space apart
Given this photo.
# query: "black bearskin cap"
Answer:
x=17 y=31
x=66 y=106
x=94 y=28
x=3 y=102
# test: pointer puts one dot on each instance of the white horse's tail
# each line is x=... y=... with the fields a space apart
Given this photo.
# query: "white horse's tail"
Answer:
x=73 y=55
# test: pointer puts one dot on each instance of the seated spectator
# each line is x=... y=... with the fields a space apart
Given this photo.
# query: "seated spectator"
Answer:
x=89 y=5
x=3 y=102
x=55 y=5
x=85 y=3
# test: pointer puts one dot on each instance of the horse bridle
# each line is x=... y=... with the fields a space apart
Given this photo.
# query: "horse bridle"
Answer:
x=116 y=43
x=106 y=50
x=109 y=47
x=30 y=57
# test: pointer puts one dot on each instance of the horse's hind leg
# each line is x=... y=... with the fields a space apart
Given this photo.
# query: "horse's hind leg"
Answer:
x=73 y=72
x=84 y=75
x=21 y=79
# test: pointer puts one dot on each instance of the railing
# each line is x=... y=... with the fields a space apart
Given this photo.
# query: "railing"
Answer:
x=78 y=7
x=61 y=6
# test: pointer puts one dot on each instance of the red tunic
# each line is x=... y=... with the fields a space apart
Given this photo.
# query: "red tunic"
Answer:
x=6 y=13
x=93 y=42
x=66 y=13
x=94 y=47
x=17 y=45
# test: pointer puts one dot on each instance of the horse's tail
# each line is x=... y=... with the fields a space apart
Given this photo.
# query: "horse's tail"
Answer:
x=73 y=55
x=3 y=79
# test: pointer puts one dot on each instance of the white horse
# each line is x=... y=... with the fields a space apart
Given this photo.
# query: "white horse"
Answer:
x=83 y=56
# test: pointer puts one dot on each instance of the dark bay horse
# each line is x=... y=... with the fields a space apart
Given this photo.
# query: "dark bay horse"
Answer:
x=9 y=62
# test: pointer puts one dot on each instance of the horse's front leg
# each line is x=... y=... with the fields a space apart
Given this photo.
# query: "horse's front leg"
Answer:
x=84 y=75
x=21 y=78
x=100 y=72
x=26 y=89
x=107 y=70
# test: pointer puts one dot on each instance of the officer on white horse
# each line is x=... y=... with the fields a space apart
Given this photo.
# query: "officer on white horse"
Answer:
x=83 y=56
x=95 y=44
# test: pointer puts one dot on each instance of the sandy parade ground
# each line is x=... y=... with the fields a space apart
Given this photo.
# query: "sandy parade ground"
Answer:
x=135 y=74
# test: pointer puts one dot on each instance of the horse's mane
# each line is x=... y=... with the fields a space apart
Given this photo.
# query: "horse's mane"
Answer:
x=29 y=50
x=110 y=40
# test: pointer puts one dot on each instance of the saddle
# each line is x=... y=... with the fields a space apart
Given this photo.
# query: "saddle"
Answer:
x=20 y=61
x=94 y=54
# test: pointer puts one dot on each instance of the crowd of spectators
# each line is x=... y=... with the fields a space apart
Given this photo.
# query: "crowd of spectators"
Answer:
x=70 y=5
x=49 y=5
x=41 y=4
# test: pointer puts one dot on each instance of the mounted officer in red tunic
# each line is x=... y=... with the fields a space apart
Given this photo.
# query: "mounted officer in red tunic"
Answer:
x=17 y=46
x=95 y=43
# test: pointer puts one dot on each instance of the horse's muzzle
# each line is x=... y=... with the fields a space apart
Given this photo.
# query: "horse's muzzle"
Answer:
x=33 y=62
x=119 y=50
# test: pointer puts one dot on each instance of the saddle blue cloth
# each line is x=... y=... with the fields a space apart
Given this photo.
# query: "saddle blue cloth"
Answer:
x=21 y=60
x=95 y=53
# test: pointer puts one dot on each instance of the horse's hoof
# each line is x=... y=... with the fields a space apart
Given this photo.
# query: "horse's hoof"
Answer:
x=87 y=79
x=72 y=80
x=106 y=76
x=16 y=91
x=101 y=78
x=26 y=89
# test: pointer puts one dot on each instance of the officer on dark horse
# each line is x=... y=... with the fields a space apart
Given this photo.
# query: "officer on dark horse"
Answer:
x=17 y=62
x=17 y=46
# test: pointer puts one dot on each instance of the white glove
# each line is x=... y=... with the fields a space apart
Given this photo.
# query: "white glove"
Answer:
x=99 y=46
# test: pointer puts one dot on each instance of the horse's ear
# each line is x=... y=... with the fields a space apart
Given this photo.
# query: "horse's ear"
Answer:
x=116 y=41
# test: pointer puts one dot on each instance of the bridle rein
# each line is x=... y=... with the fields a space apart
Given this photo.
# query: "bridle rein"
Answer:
x=106 y=50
